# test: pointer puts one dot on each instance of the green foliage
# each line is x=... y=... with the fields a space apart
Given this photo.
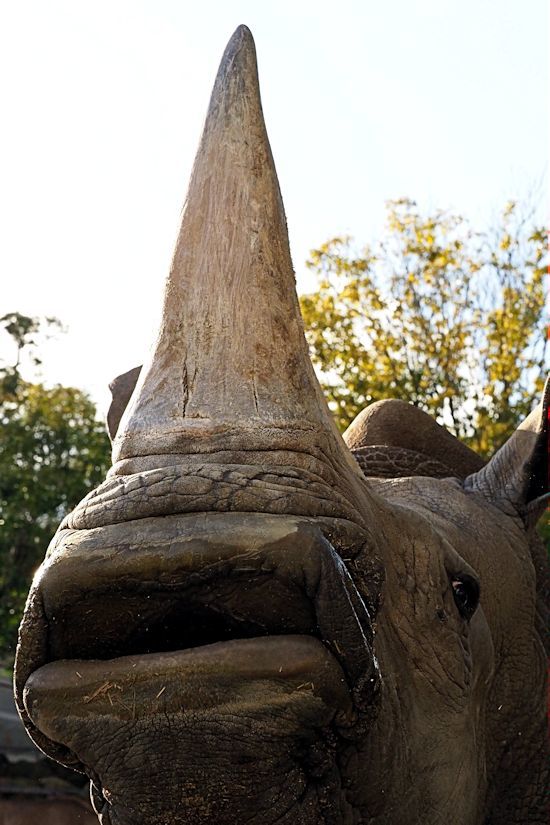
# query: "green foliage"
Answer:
x=53 y=450
x=22 y=329
x=449 y=319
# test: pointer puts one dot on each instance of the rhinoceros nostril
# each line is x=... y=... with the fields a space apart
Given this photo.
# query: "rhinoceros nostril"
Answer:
x=99 y=803
x=97 y=798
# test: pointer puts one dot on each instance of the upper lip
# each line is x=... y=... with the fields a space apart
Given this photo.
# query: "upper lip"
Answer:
x=133 y=613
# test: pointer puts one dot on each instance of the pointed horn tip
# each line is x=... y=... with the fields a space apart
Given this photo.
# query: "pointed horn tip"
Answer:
x=241 y=38
x=237 y=73
x=242 y=33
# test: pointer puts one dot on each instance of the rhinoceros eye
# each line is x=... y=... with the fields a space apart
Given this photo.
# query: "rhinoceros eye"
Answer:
x=466 y=595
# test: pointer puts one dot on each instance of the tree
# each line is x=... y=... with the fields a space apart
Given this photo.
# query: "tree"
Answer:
x=22 y=329
x=444 y=317
x=53 y=450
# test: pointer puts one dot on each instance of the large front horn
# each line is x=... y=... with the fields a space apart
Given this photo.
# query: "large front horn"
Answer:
x=230 y=373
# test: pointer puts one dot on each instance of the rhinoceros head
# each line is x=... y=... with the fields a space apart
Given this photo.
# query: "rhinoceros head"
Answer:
x=239 y=626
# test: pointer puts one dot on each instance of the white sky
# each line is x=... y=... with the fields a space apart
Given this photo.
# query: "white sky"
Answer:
x=102 y=104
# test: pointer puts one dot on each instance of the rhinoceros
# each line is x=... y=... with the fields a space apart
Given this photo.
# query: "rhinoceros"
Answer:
x=253 y=620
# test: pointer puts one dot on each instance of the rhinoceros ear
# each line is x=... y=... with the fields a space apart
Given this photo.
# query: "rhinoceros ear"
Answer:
x=516 y=478
x=121 y=388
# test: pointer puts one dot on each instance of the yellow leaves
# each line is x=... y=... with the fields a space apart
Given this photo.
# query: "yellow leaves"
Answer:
x=539 y=236
x=350 y=293
x=433 y=315
x=423 y=237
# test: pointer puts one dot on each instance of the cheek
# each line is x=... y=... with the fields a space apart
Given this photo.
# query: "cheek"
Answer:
x=441 y=662
x=428 y=726
x=482 y=654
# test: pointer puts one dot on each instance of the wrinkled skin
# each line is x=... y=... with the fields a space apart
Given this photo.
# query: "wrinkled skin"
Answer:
x=250 y=621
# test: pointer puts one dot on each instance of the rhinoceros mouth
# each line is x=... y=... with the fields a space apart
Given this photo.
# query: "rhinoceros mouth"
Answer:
x=92 y=707
x=135 y=615
x=124 y=602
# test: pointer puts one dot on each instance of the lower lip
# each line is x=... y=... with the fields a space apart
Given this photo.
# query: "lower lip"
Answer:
x=147 y=727
x=134 y=687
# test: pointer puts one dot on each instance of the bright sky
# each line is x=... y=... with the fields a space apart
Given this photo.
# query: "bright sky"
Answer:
x=102 y=105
